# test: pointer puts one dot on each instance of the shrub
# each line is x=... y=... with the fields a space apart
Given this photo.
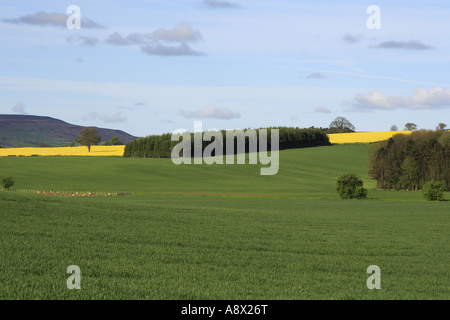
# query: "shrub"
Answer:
x=434 y=190
x=8 y=182
x=350 y=186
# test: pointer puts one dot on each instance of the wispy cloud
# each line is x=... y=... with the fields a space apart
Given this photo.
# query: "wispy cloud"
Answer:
x=53 y=19
x=436 y=98
x=212 y=112
x=322 y=110
x=106 y=118
x=350 y=38
x=216 y=4
x=181 y=33
x=161 y=42
x=19 y=108
x=404 y=45
x=369 y=76
x=82 y=40
x=165 y=50
x=315 y=75
x=117 y=39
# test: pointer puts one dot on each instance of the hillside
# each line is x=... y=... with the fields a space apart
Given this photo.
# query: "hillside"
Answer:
x=303 y=173
x=28 y=131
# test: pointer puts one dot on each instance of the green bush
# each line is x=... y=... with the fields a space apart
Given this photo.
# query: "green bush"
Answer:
x=350 y=186
x=8 y=182
x=434 y=190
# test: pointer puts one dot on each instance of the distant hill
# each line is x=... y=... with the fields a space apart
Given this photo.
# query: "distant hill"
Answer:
x=29 y=131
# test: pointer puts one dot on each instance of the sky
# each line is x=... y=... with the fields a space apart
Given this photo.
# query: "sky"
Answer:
x=151 y=67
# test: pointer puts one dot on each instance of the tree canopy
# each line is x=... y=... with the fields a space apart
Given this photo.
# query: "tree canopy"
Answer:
x=408 y=162
x=88 y=137
x=410 y=126
x=113 y=142
x=160 y=146
x=341 y=125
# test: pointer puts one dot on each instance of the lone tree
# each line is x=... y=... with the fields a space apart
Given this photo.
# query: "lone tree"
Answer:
x=394 y=128
x=350 y=186
x=340 y=125
x=434 y=190
x=410 y=126
x=441 y=126
x=88 y=137
x=8 y=182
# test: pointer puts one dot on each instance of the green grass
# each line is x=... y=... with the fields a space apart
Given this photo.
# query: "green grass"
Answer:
x=305 y=245
x=308 y=173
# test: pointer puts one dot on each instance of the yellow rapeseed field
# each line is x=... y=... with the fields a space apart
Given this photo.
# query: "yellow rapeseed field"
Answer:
x=64 y=151
x=363 y=137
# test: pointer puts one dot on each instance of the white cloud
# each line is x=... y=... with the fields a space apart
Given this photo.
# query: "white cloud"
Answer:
x=111 y=118
x=181 y=33
x=322 y=110
x=20 y=108
x=164 y=50
x=420 y=99
x=54 y=19
x=212 y=112
x=119 y=40
x=156 y=42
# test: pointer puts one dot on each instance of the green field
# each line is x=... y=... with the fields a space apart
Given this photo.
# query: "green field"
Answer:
x=217 y=232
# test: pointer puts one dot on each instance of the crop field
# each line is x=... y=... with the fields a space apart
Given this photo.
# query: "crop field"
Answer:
x=363 y=137
x=63 y=151
x=216 y=232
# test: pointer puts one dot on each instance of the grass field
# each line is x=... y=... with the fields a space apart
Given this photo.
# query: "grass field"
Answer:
x=217 y=232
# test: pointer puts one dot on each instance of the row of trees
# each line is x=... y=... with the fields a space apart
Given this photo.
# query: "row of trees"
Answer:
x=413 y=127
x=408 y=162
x=160 y=146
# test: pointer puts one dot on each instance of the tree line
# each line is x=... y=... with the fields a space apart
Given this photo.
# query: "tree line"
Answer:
x=408 y=162
x=160 y=146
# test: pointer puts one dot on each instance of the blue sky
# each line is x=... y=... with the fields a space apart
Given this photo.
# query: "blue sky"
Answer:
x=150 y=67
